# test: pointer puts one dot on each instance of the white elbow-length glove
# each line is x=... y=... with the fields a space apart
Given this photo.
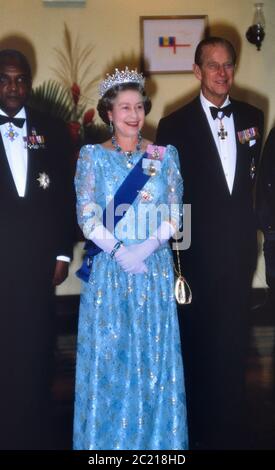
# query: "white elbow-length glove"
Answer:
x=131 y=256
x=106 y=241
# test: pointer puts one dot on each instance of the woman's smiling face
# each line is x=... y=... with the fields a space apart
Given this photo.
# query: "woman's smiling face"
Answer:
x=128 y=113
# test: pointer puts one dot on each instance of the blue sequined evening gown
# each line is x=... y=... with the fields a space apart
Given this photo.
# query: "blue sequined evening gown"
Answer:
x=130 y=391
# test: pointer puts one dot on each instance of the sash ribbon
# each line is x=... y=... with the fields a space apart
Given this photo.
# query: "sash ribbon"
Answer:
x=126 y=194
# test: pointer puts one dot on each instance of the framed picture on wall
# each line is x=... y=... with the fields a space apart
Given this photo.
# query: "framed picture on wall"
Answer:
x=64 y=3
x=168 y=43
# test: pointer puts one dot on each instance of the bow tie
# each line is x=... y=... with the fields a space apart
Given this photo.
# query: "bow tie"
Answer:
x=226 y=110
x=18 y=122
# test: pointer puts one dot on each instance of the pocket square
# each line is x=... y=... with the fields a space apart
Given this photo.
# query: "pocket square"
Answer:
x=248 y=135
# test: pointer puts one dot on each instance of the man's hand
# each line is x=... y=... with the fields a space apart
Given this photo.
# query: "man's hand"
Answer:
x=60 y=272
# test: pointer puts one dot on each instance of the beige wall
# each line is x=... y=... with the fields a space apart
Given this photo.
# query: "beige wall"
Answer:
x=112 y=27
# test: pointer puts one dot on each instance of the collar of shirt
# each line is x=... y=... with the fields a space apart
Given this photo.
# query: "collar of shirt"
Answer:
x=20 y=131
x=20 y=114
x=16 y=152
x=206 y=105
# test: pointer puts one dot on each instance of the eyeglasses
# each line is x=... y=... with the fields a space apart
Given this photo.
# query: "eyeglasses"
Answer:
x=215 y=67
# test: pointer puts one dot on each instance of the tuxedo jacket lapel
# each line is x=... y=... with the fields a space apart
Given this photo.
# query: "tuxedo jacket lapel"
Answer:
x=239 y=150
x=35 y=156
x=6 y=174
x=30 y=167
x=243 y=155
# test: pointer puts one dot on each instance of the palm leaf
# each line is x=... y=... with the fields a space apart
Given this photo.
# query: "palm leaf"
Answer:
x=68 y=42
x=85 y=53
x=63 y=59
x=73 y=67
x=62 y=77
x=53 y=98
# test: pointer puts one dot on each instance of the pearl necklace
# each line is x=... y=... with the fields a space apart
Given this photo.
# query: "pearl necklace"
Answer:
x=129 y=154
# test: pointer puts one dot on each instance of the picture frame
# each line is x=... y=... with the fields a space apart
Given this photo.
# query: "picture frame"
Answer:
x=168 y=43
x=64 y=3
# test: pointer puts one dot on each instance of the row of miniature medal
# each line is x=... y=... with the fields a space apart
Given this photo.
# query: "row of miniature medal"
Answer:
x=244 y=136
x=32 y=141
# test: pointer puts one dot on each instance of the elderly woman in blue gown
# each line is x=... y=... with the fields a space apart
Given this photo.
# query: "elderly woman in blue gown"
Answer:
x=129 y=381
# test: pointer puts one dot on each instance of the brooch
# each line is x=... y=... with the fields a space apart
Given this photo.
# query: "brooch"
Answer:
x=248 y=134
x=151 y=165
x=34 y=141
x=44 y=180
x=155 y=152
x=145 y=196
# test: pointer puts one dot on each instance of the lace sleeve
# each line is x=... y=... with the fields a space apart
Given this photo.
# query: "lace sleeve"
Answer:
x=89 y=214
x=175 y=187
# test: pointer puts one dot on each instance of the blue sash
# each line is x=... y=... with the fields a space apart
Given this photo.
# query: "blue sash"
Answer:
x=126 y=194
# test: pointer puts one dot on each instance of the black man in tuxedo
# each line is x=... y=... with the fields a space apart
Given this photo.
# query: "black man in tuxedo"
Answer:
x=36 y=240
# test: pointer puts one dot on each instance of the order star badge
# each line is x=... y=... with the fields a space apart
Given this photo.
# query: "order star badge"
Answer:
x=44 y=180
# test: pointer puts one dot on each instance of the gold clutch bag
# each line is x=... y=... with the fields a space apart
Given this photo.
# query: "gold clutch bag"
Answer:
x=183 y=291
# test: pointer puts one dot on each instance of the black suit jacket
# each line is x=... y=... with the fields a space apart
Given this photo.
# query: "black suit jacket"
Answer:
x=266 y=188
x=223 y=228
x=34 y=229
x=266 y=206
x=38 y=227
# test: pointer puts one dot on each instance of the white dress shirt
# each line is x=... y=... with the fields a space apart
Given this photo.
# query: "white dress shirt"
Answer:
x=226 y=147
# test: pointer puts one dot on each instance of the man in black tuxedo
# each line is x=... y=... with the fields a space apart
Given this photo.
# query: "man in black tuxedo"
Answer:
x=219 y=151
x=36 y=236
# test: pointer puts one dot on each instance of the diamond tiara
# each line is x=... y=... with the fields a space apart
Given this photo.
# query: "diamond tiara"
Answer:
x=120 y=77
